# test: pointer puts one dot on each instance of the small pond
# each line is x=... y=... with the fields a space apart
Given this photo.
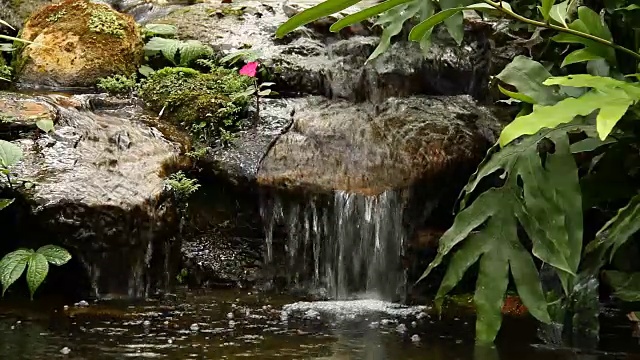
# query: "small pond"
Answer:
x=243 y=325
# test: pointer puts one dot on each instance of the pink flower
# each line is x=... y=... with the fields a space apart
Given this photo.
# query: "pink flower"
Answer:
x=249 y=69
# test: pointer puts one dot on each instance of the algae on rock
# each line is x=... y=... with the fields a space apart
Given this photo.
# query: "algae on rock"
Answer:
x=77 y=43
x=203 y=103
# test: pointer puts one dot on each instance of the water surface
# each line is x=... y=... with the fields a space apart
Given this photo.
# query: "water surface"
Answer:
x=238 y=325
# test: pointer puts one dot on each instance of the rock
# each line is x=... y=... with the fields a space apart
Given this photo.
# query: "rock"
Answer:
x=313 y=60
x=222 y=261
x=239 y=162
x=369 y=149
x=20 y=114
x=81 y=43
x=103 y=201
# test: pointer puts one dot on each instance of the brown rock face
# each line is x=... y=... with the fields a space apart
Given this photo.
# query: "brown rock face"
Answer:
x=369 y=149
x=77 y=43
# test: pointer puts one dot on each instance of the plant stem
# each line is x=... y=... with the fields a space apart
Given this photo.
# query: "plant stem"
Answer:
x=498 y=6
x=257 y=119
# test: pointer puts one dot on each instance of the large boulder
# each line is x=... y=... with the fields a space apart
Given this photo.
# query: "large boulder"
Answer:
x=99 y=190
x=76 y=43
x=369 y=149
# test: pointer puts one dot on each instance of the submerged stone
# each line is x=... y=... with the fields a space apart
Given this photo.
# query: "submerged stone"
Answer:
x=76 y=43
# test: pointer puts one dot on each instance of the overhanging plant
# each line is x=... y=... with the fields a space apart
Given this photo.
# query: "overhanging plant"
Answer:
x=538 y=183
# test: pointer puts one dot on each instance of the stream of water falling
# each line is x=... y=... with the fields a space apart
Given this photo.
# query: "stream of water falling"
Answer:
x=348 y=245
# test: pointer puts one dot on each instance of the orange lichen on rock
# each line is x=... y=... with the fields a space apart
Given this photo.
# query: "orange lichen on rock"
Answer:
x=77 y=43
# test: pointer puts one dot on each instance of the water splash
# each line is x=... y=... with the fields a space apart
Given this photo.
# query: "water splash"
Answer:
x=346 y=245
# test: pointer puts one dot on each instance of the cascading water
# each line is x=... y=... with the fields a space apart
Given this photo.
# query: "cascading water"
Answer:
x=347 y=245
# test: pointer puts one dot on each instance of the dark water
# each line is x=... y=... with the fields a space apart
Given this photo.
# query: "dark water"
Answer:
x=234 y=325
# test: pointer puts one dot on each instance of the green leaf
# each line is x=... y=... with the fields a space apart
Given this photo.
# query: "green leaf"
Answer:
x=55 y=254
x=626 y=285
x=12 y=266
x=246 y=55
x=192 y=50
x=168 y=47
x=4 y=23
x=578 y=56
x=160 y=30
x=528 y=76
x=516 y=95
x=45 y=125
x=420 y=30
x=454 y=21
x=560 y=12
x=545 y=9
x=392 y=22
x=321 y=10
x=617 y=231
x=146 y=70
x=366 y=14
x=590 y=144
x=10 y=154
x=613 y=98
x=36 y=272
x=11 y=38
x=5 y=202
x=593 y=22
x=589 y=22
x=541 y=196
x=486 y=8
x=629 y=8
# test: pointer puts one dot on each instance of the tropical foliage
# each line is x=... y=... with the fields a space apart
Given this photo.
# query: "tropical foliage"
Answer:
x=526 y=204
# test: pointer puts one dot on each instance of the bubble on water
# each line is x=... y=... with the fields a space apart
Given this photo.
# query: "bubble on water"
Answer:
x=81 y=303
x=402 y=328
x=230 y=315
x=415 y=338
x=194 y=327
x=374 y=325
x=414 y=324
x=146 y=323
x=65 y=351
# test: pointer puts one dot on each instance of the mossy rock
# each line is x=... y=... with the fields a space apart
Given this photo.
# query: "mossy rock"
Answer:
x=201 y=103
x=77 y=43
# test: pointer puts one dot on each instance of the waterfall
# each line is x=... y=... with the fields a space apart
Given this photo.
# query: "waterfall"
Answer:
x=346 y=245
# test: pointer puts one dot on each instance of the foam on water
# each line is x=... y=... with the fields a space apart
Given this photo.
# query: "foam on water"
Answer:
x=352 y=309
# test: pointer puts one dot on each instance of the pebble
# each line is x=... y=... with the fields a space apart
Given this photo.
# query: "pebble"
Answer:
x=65 y=351
x=415 y=338
x=194 y=327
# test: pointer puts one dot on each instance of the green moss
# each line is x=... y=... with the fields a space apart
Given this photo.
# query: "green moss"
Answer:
x=56 y=16
x=104 y=21
x=201 y=103
x=118 y=84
